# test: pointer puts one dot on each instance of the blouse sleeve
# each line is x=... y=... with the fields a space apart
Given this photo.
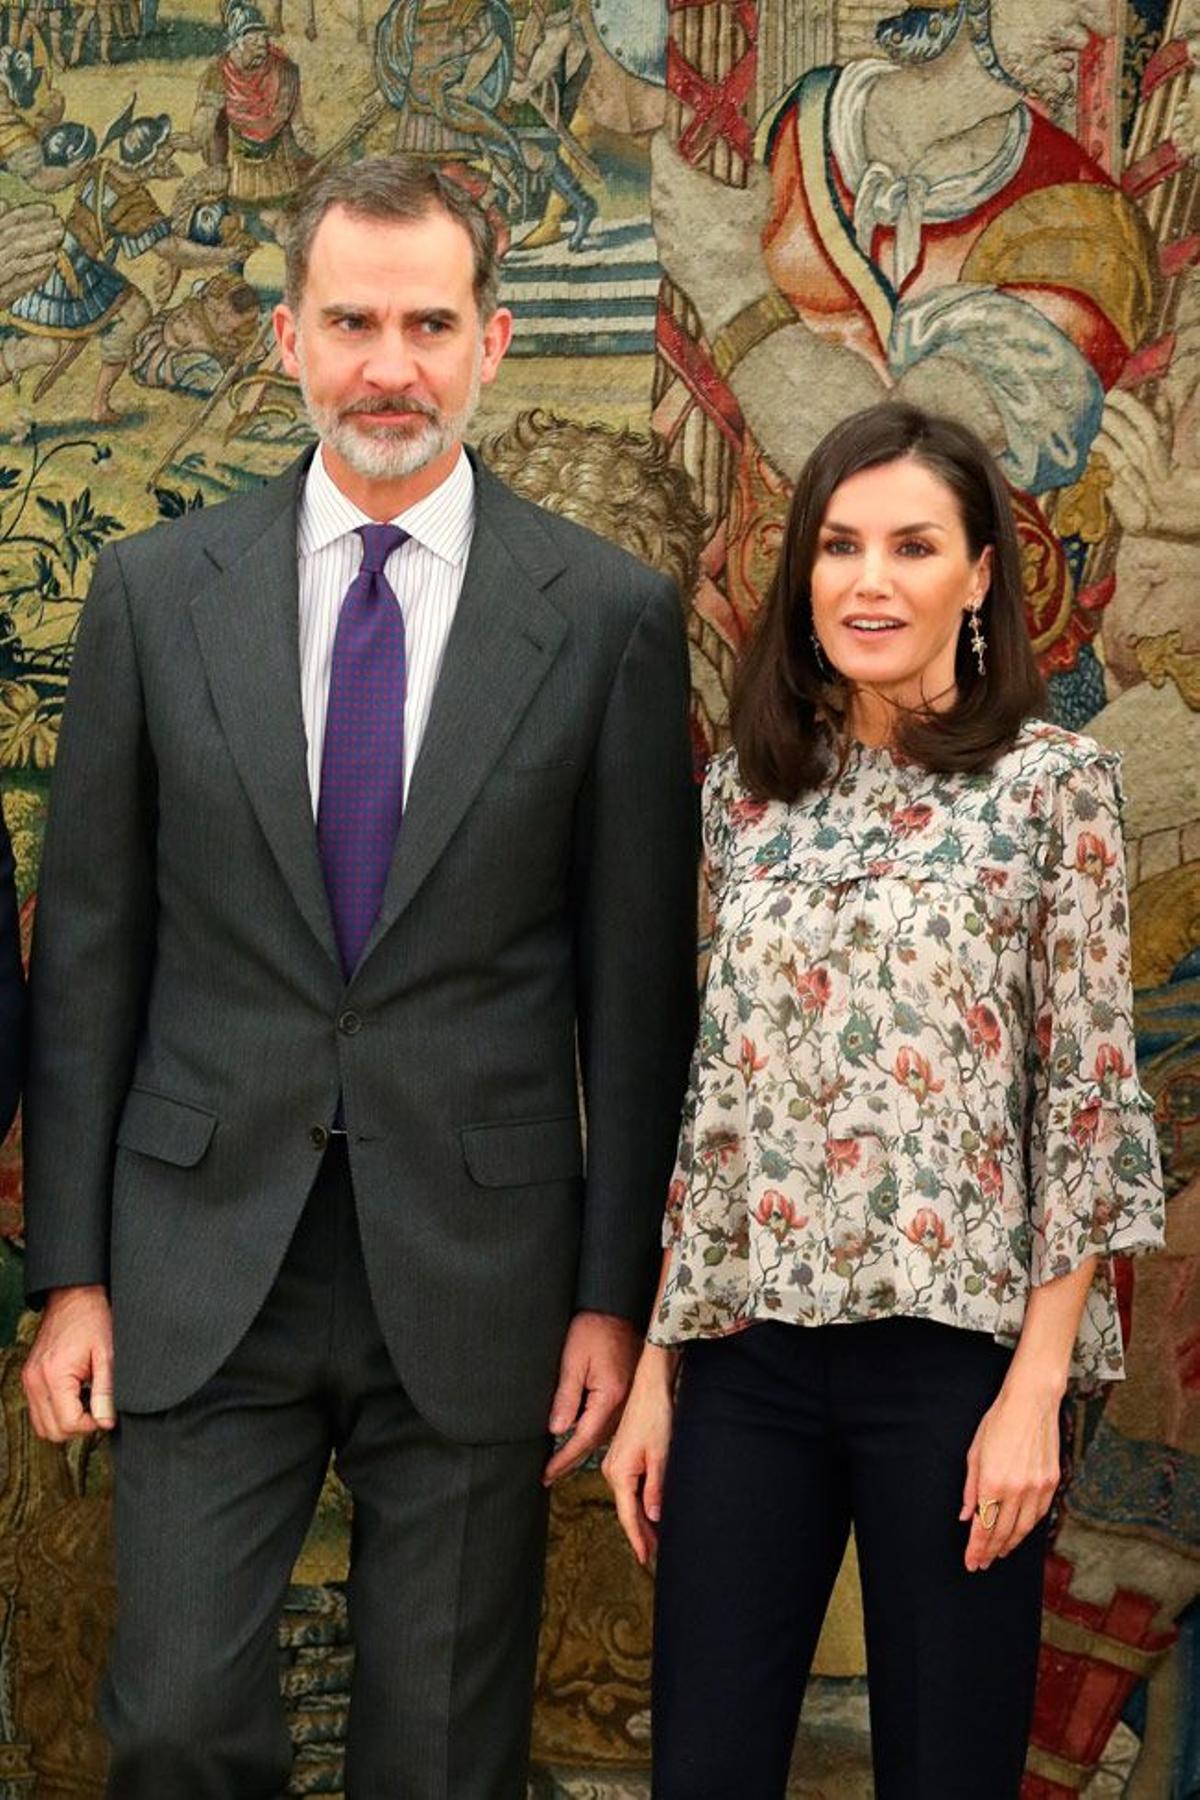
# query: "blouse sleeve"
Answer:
x=714 y=807
x=715 y=822
x=1095 y=1185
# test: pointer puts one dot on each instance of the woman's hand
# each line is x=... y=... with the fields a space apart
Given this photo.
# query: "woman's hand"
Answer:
x=1013 y=1459
x=637 y=1456
x=1014 y=1455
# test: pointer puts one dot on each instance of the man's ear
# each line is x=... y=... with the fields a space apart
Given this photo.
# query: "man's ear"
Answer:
x=497 y=336
x=286 y=332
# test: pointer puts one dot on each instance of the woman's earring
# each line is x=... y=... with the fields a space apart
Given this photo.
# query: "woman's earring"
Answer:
x=978 y=641
x=823 y=668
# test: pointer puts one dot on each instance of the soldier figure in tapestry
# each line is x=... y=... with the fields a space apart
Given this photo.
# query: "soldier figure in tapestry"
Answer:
x=113 y=214
x=248 y=118
x=470 y=76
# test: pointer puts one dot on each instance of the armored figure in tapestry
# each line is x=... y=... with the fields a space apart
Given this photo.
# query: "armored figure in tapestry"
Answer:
x=528 y=85
x=113 y=215
x=248 y=116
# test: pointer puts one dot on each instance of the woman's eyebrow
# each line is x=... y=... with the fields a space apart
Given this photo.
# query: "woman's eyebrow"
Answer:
x=900 y=531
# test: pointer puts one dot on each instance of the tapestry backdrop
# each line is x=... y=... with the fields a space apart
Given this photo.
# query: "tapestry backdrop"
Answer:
x=728 y=223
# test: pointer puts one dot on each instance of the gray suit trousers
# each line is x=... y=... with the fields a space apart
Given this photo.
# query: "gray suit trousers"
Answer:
x=212 y=1501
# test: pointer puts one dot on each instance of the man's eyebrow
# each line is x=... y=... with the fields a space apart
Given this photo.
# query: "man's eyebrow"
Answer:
x=438 y=315
x=346 y=309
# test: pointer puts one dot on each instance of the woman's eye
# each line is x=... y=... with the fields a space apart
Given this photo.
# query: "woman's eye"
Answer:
x=916 y=547
x=838 y=547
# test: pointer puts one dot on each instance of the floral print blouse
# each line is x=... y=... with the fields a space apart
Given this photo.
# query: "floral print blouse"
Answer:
x=914 y=1088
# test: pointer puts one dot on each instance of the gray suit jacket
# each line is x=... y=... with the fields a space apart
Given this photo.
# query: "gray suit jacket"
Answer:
x=192 y=1028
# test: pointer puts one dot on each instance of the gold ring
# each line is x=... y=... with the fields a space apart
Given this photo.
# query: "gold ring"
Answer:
x=987 y=1512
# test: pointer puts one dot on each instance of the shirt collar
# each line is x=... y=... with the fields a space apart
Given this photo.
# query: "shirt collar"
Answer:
x=442 y=522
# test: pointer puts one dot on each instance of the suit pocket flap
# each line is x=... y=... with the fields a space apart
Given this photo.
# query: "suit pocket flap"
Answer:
x=169 y=1129
x=524 y=1152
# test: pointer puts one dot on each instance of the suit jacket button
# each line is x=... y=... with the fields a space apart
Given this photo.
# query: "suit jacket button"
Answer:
x=349 y=1022
x=318 y=1137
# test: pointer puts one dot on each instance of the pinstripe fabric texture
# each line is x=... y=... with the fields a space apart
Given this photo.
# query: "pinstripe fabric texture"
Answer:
x=426 y=575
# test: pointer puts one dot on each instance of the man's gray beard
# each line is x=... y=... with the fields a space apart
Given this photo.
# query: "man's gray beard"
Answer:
x=382 y=453
x=1043 y=80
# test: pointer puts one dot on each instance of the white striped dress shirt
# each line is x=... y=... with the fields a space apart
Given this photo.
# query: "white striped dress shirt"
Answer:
x=426 y=575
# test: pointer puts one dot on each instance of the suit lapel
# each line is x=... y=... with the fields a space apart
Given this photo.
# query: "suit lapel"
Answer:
x=247 y=623
x=504 y=638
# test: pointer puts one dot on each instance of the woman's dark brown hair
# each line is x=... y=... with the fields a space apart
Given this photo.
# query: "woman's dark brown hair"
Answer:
x=789 y=712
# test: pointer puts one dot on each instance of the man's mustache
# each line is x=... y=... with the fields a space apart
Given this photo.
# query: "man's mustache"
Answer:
x=391 y=403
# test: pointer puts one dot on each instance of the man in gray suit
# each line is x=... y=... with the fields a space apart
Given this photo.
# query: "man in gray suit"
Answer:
x=372 y=828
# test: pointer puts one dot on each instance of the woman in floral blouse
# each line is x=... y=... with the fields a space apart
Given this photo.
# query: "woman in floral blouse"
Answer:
x=914 y=1129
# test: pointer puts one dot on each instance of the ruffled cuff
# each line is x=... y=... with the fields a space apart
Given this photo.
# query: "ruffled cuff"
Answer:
x=1095 y=1182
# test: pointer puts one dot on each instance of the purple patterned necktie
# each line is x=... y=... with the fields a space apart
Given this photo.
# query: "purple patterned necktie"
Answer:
x=362 y=763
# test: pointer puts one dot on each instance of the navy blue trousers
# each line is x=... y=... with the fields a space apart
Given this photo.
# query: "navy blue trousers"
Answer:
x=785 y=1436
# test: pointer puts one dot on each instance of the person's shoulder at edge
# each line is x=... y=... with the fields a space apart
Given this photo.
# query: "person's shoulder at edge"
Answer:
x=1045 y=752
x=721 y=796
x=722 y=782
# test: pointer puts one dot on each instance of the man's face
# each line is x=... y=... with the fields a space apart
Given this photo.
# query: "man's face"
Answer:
x=161 y=166
x=228 y=309
x=20 y=79
x=387 y=342
x=1039 y=41
x=919 y=34
x=250 y=51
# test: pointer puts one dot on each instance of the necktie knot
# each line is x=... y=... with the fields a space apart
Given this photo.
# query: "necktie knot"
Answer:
x=378 y=543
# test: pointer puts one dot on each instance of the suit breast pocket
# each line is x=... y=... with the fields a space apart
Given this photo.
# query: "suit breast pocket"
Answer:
x=534 y=786
x=549 y=739
x=537 y=761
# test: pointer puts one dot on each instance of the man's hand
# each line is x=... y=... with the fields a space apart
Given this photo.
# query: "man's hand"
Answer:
x=72 y=1351
x=693 y=212
x=597 y=1367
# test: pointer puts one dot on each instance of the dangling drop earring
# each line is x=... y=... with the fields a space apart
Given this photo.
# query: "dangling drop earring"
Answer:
x=823 y=668
x=978 y=641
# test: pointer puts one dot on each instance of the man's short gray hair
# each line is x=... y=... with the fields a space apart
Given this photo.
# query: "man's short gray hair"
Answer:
x=396 y=189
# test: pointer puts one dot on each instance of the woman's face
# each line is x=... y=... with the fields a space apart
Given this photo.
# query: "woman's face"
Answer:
x=891 y=580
